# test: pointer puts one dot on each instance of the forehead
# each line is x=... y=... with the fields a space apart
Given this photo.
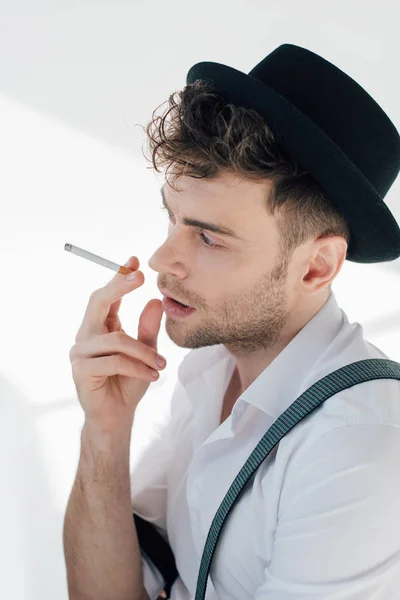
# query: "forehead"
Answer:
x=213 y=226
x=233 y=204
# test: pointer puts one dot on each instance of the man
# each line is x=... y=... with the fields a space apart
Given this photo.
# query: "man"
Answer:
x=320 y=518
x=273 y=179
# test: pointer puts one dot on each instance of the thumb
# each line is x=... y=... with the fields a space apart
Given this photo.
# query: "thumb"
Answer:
x=149 y=323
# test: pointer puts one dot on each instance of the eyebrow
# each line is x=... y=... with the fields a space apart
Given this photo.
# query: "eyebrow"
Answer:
x=215 y=227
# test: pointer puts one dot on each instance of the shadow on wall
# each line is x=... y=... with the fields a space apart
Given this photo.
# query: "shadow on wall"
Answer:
x=31 y=528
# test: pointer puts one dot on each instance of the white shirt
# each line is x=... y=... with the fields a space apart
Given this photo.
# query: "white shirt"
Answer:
x=321 y=517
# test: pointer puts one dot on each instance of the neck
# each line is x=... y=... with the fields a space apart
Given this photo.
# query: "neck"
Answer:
x=250 y=366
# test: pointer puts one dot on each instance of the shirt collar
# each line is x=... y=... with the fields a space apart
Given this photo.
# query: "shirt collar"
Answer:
x=281 y=382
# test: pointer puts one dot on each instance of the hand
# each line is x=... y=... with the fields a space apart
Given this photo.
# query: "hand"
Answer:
x=111 y=370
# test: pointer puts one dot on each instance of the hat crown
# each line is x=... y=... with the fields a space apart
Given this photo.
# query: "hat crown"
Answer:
x=331 y=127
x=339 y=106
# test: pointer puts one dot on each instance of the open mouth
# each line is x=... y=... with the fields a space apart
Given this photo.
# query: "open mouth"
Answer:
x=176 y=301
x=180 y=303
x=175 y=308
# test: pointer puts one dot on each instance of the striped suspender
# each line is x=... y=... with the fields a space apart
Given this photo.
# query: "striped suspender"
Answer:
x=341 y=379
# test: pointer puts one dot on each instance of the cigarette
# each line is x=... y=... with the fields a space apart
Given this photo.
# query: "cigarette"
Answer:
x=97 y=259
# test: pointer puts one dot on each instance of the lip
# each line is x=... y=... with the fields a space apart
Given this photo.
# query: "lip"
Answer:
x=168 y=295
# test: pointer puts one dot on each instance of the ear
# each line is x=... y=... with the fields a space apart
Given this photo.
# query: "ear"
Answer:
x=325 y=260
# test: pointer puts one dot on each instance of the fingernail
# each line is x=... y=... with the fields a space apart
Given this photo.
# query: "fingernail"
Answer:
x=160 y=361
x=131 y=276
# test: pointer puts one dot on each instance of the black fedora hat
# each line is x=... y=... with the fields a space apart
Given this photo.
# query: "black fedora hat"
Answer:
x=333 y=128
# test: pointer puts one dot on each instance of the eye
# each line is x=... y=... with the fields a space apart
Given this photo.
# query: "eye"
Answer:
x=206 y=240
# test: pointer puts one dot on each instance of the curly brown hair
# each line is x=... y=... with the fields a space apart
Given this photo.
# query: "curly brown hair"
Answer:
x=201 y=135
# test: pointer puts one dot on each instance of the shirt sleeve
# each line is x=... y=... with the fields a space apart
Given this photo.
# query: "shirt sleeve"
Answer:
x=338 y=530
x=150 y=454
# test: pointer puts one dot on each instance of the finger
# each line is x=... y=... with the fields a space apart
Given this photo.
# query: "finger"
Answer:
x=132 y=263
x=115 y=343
x=114 y=324
x=149 y=323
x=104 y=302
x=108 y=366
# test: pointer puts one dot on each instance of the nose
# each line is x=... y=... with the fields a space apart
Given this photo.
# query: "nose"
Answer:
x=154 y=263
x=165 y=258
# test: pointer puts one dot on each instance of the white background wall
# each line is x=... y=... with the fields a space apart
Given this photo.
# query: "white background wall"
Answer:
x=75 y=78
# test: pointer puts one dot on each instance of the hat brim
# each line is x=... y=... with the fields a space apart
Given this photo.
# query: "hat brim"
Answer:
x=375 y=234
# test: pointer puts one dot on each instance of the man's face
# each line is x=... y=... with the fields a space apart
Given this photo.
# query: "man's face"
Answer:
x=239 y=289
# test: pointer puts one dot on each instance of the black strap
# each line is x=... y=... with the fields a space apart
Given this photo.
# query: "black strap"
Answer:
x=158 y=550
